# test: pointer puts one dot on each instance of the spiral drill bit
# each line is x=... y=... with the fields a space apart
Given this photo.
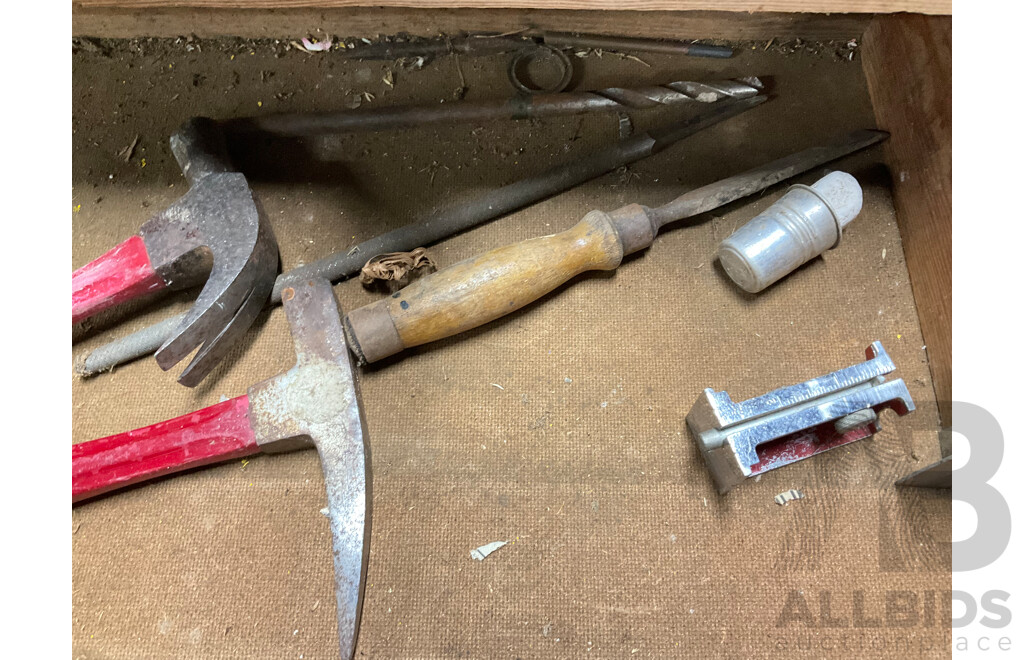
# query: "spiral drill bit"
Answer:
x=673 y=93
x=611 y=99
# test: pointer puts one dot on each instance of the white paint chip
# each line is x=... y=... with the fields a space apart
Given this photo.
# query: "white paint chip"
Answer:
x=311 y=46
x=783 y=499
x=483 y=551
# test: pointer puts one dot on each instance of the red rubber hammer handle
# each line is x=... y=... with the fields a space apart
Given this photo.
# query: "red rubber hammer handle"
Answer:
x=122 y=274
x=218 y=433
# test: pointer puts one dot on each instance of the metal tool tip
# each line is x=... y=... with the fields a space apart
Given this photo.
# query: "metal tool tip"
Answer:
x=748 y=102
x=753 y=81
x=868 y=136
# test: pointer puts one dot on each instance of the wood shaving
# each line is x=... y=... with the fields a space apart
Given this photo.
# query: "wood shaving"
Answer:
x=126 y=153
x=503 y=34
x=782 y=499
x=635 y=59
x=396 y=266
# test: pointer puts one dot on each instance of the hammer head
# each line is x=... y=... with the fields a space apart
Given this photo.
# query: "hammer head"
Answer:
x=317 y=402
x=217 y=228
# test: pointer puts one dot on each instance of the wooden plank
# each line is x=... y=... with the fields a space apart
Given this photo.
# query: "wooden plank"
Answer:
x=371 y=21
x=821 y=6
x=908 y=64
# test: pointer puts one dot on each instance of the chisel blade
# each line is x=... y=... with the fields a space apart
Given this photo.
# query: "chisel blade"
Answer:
x=728 y=190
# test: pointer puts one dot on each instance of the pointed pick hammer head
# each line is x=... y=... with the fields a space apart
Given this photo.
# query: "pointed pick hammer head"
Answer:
x=317 y=402
x=217 y=228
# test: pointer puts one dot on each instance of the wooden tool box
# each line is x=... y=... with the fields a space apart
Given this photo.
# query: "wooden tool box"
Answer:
x=659 y=569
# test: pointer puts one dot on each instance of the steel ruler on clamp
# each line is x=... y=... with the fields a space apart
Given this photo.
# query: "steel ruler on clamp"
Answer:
x=742 y=440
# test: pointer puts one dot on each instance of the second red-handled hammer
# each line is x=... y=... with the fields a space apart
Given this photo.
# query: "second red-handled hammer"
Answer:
x=215 y=231
x=315 y=403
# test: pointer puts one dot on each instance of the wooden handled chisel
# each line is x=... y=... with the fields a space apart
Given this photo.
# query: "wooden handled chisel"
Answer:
x=483 y=288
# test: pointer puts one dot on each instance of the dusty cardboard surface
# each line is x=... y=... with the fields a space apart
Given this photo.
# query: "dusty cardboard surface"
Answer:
x=619 y=546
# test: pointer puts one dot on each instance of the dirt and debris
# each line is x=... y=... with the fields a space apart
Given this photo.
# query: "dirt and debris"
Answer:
x=599 y=52
x=88 y=45
x=837 y=49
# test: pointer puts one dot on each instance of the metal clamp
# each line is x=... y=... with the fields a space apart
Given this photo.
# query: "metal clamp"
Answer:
x=741 y=440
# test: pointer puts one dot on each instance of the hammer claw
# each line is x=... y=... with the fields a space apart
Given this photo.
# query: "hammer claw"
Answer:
x=214 y=350
x=239 y=284
x=210 y=314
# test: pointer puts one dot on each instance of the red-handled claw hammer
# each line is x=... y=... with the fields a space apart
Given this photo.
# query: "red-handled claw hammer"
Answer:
x=124 y=273
x=215 y=232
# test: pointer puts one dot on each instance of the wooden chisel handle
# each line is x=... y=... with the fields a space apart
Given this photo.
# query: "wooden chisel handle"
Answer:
x=217 y=433
x=483 y=288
